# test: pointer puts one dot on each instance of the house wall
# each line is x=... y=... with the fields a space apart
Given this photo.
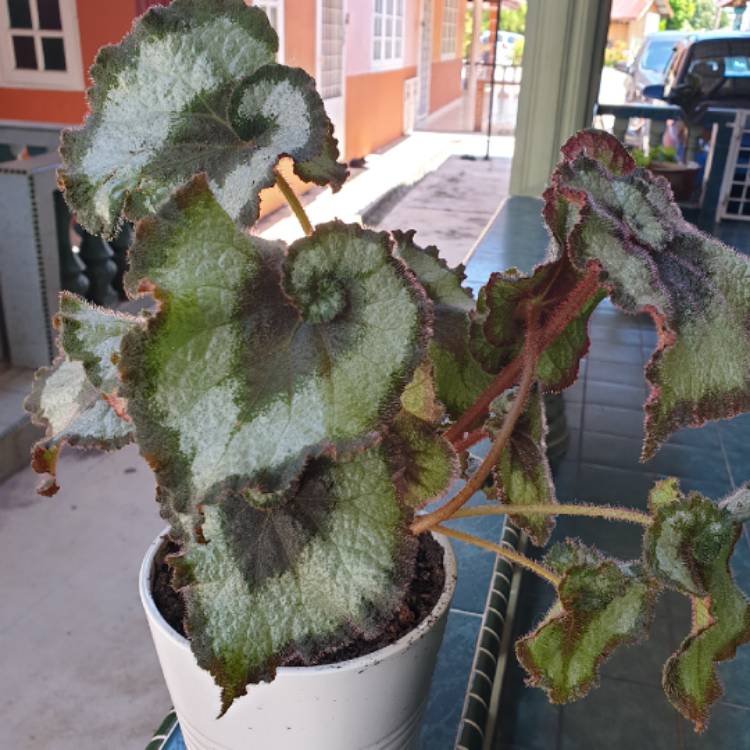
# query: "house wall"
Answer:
x=96 y=28
x=300 y=19
x=374 y=110
x=445 y=75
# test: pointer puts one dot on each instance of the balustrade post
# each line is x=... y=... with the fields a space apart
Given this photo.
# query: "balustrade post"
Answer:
x=100 y=267
x=72 y=271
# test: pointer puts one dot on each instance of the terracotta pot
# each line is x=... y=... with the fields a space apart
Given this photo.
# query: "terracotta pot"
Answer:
x=682 y=177
x=373 y=701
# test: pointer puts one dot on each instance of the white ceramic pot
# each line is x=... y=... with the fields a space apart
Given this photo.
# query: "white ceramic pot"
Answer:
x=373 y=701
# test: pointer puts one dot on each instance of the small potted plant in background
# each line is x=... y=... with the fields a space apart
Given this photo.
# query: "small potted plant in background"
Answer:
x=298 y=404
x=662 y=160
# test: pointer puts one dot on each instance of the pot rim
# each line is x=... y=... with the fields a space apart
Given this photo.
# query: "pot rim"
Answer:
x=442 y=604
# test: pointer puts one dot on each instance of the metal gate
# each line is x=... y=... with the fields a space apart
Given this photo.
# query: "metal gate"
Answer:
x=734 y=202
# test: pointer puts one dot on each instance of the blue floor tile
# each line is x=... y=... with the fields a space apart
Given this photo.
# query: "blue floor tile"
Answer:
x=621 y=715
x=449 y=682
x=729 y=729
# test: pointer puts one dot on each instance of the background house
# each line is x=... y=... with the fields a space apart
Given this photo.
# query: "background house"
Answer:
x=632 y=20
x=380 y=64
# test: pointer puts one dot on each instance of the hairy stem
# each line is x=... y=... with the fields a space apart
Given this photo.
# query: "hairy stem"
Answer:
x=571 y=305
x=475 y=482
x=504 y=380
x=471 y=438
x=590 y=511
x=562 y=317
x=509 y=554
x=294 y=203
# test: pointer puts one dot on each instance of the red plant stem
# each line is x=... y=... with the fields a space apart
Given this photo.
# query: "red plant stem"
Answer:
x=561 y=318
x=472 y=438
x=475 y=482
x=571 y=306
x=505 y=379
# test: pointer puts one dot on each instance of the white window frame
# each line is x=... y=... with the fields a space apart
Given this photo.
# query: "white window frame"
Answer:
x=398 y=21
x=279 y=6
x=66 y=80
x=450 y=8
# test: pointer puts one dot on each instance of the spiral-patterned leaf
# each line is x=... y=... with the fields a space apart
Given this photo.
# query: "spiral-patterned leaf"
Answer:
x=257 y=359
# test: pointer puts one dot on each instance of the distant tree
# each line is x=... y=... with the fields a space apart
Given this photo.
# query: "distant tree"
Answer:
x=682 y=14
x=695 y=15
x=513 y=20
x=510 y=20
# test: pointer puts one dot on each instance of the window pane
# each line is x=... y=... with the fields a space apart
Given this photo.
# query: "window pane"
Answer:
x=376 y=50
x=378 y=26
x=49 y=14
x=389 y=6
x=25 y=54
x=54 y=54
x=20 y=14
x=387 y=54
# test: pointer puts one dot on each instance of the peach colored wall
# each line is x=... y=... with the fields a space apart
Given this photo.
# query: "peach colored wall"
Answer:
x=98 y=25
x=445 y=75
x=445 y=83
x=374 y=110
x=411 y=32
x=300 y=34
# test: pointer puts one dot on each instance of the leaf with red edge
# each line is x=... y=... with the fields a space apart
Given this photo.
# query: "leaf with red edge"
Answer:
x=522 y=474
x=74 y=412
x=499 y=326
x=688 y=548
x=605 y=209
x=77 y=400
x=602 y=604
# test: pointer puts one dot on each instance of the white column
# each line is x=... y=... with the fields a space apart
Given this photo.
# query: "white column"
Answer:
x=562 y=61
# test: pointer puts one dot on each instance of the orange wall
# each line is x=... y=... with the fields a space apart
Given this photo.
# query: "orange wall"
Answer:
x=374 y=110
x=99 y=24
x=445 y=83
x=445 y=75
x=299 y=34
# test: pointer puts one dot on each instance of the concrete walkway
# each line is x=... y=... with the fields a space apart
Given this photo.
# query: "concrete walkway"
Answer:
x=77 y=667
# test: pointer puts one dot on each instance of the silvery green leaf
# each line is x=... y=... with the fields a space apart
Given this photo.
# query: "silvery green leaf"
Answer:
x=289 y=577
x=260 y=359
x=695 y=288
x=72 y=410
x=522 y=474
x=688 y=547
x=193 y=88
x=602 y=604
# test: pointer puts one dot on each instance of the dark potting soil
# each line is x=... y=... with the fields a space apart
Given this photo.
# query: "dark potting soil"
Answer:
x=424 y=591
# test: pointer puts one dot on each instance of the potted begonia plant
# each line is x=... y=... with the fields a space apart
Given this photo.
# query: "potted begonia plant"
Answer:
x=299 y=404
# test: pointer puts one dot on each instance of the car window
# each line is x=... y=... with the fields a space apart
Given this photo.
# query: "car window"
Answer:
x=720 y=69
x=657 y=55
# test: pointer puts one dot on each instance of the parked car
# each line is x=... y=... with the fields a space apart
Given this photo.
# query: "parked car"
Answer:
x=650 y=63
x=710 y=69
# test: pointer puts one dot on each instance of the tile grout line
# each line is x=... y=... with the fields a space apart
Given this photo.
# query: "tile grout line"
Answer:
x=726 y=458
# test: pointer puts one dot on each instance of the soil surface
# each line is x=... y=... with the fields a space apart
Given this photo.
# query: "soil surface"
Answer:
x=424 y=591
